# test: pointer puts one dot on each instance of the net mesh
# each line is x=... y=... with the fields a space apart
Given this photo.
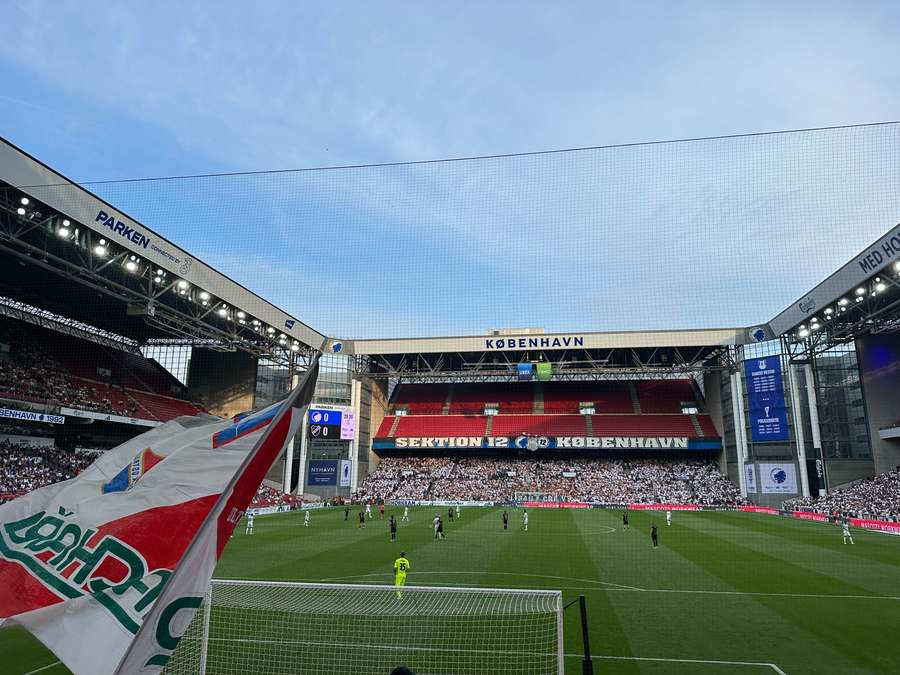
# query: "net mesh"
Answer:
x=260 y=627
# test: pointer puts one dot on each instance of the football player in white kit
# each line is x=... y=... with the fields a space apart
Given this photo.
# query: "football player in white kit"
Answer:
x=668 y=518
x=249 y=529
x=306 y=519
x=845 y=531
x=406 y=513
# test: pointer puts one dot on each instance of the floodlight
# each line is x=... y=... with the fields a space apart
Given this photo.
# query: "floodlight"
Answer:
x=131 y=266
x=204 y=295
x=24 y=201
x=20 y=211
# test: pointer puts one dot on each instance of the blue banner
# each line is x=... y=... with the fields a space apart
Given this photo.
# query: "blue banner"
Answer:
x=765 y=398
x=322 y=472
x=526 y=371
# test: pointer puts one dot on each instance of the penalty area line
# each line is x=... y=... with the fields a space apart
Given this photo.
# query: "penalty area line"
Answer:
x=43 y=668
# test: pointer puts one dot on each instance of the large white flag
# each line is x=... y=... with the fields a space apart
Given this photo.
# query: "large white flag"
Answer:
x=108 y=569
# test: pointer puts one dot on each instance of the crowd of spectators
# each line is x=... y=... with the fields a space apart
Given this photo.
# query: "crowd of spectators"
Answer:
x=267 y=496
x=24 y=468
x=32 y=376
x=877 y=498
x=609 y=481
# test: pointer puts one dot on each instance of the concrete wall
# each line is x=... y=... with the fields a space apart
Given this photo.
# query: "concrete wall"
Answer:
x=712 y=387
x=373 y=409
x=879 y=370
x=223 y=382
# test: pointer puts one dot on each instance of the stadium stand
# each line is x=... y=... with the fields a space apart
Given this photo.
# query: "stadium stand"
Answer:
x=664 y=396
x=510 y=397
x=607 y=397
x=441 y=425
x=877 y=497
x=610 y=481
x=42 y=366
x=543 y=425
x=24 y=468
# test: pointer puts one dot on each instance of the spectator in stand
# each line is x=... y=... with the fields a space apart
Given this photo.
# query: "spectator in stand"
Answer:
x=611 y=481
x=24 y=467
x=876 y=498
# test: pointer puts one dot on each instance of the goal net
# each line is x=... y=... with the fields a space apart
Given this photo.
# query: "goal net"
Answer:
x=286 y=627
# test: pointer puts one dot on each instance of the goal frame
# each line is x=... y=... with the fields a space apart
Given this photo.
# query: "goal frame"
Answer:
x=207 y=600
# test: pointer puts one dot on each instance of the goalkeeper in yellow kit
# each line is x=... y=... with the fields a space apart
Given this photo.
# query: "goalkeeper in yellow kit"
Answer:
x=401 y=567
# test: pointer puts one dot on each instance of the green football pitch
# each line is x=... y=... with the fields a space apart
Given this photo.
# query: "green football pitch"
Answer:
x=724 y=592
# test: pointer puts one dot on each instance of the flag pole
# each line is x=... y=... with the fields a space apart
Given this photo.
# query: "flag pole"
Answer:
x=305 y=388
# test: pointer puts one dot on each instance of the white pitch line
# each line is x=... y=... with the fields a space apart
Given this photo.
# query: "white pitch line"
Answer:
x=37 y=670
x=453 y=650
x=757 y=664
x=624 y=588
x=509 y=574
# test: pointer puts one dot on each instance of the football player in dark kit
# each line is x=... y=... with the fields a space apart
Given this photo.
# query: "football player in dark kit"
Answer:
x=653 y=537
x=450 y=514
x=624 y=520
x=346 y=514
x=362 y=520
x=505 y=520
x=393 y=529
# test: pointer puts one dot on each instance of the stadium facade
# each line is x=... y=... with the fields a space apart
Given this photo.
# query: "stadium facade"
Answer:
x=143 y=331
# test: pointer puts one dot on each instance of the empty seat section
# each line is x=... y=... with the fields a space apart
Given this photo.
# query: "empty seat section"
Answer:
x=607 y=397
x=422 y=399
x=441 y=425
x=664 y=396
x=643 y=425
x=706 y=423
x=512 y=397
x=545 y=425
x=162 y=408
x=385 y=429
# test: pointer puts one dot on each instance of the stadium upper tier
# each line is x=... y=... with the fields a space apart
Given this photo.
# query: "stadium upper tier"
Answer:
x=42 y=366
x=650 y=408
x=606 y=397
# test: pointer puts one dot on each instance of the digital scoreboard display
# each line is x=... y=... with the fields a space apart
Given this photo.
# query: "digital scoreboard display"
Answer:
x=324 y=424
x=332 y=424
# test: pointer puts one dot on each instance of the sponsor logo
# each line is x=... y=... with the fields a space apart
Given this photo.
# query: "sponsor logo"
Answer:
x=807 y=305
x=126 y=479
x=778 y=475
x=185 y=268
x=289 y=323
x=757 y=334
x=118 y=227
x=336 y=347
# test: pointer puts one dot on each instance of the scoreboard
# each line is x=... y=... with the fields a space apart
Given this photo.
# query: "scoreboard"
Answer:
x=331 y=424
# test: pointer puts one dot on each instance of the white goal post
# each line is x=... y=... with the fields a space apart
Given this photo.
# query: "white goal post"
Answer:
x=271 y=627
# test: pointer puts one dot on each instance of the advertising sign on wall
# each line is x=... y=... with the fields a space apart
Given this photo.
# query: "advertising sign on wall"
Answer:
x=322 y=472
x=778 y=478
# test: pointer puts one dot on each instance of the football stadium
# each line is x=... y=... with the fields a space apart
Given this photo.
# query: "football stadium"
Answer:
x=632 y=489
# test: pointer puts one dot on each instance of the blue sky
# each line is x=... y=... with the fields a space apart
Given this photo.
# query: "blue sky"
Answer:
x=700 y=234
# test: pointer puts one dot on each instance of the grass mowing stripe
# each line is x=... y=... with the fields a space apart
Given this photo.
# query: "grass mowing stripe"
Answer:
x=801 y=618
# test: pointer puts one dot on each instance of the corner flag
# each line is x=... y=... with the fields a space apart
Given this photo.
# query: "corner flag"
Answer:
x=107 y=569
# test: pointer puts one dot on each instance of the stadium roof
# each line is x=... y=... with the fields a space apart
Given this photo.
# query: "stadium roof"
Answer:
x=65 y=250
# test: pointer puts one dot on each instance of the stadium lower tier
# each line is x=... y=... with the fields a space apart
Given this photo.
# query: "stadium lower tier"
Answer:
x=613 y=481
